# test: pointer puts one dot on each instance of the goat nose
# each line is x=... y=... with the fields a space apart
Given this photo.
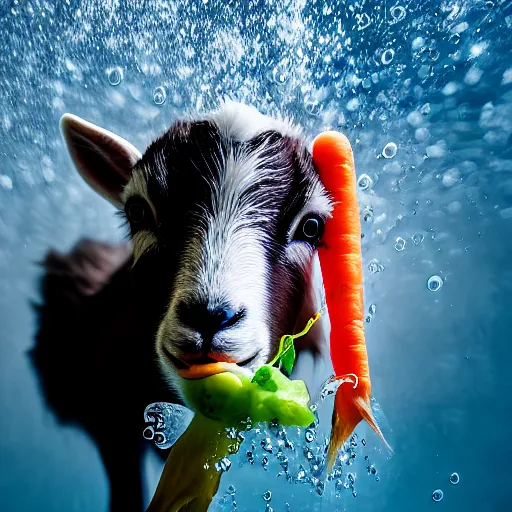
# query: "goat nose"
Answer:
x=206 y=320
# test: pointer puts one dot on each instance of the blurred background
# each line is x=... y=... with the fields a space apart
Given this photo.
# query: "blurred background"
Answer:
x=424 y=92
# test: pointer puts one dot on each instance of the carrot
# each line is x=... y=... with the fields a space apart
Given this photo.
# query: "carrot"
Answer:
x=341 y=264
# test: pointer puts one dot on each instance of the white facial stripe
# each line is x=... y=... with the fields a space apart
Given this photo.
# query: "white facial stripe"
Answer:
x=243 y=122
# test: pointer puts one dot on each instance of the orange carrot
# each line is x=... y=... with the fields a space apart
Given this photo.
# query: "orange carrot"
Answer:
x=341 y=264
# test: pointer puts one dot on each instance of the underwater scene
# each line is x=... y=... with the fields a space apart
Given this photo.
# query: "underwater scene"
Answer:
x=422 y=91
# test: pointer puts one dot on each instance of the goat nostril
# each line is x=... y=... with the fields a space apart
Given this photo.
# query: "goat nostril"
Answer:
x=207 y=321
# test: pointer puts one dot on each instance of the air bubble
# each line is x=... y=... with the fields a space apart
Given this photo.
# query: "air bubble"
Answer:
x=368 y=214
x=437 y=495
x=267 y=495
x=312 y=107
x=281 y=73
x=454 y=478
x=114 y=75
x=389 y=150
x=310 y=435
x=159 y=95
x=375 y=266
x=231 y=490
x=363 y=21
x=399 y=244
x=387 y=56
x=223 y=465
x=364 y=182
x=418 y=238
x=434 y=283
x=397 y=13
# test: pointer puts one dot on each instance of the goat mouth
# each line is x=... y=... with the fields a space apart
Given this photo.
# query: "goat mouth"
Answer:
x=204 y=359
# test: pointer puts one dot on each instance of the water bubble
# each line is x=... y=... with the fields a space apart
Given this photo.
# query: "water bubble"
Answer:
x=266 y=444
x=434 y=283
x=372 y=308
x=267 y=495
x=114 y=75
x=281 y=73
x=387 y=56
x=301 y=475
x=375 y=266
x=425 y=109
x=351 y=478
x=363 y=21
x=354 y=493
x=397 y=13
x=148 y=433
x=310 y=435
x=338 y=488
x=437 y=495
x=320 y=488
x=312 y=106
x=454 y=478
x=417 y=238
x=399 y=244
x=223 y=465
x=366 y=83
x=364 y=182
x=368 y=214
x=389 y=150
x=159 y=95
x=264 y=463
x=363 y=442
x=231 y=490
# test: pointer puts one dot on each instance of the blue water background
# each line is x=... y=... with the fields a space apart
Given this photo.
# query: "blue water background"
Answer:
x=440 y=361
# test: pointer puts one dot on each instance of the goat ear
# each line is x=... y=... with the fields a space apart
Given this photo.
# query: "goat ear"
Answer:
x=103 y=159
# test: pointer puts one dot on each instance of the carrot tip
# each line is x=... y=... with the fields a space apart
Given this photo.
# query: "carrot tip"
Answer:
x=346 y=417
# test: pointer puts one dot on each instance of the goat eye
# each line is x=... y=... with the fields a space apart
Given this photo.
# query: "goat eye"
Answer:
x=137 y=211
x=310 y=229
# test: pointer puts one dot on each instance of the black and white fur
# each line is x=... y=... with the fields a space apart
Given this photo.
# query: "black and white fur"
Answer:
x=222 y=262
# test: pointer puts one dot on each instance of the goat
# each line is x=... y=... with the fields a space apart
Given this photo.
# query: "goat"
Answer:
x=224 y=215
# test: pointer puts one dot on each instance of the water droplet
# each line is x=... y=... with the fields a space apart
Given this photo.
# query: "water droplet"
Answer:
x=454 y=478
x=389 y=150
x=232 y=490
x=434 y=283
x=223 y=465
x=387 y=56
x=417 y=238
x=267 y=495
x=149 y=433
x=310 y=435
x=364 y=182
x=312 y=106
x=266 y=444
x=363 y=21
x=375 y=266
x=114 y=75
x=368 y=214
x=320 y=488
x=159 y=95
x=437 y=495
x=397 y=12
x=399 y=244
x=281 y=73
